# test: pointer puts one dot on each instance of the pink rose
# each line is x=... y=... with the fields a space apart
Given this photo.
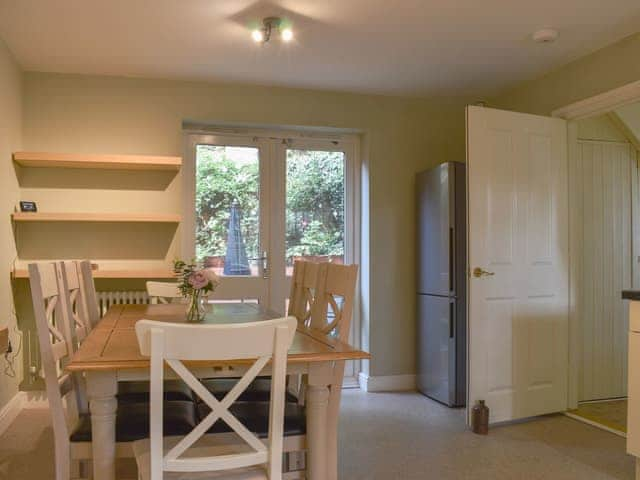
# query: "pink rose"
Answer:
x=198 y=280
x=212 y=276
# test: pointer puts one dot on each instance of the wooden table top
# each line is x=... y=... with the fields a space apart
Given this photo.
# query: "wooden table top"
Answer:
x=112 y=344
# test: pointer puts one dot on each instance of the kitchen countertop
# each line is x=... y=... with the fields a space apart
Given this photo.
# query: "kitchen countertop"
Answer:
x=631 y=294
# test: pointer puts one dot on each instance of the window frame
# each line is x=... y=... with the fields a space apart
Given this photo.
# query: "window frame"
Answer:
x=272 y=144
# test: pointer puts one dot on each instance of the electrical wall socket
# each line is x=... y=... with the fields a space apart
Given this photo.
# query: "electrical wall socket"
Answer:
x=4 y=340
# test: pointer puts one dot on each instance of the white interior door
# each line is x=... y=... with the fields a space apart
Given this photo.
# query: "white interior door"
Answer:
x=518 y=238
x=602 y=179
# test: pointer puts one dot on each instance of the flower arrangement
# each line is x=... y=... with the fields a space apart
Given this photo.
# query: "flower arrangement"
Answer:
x=194 y=283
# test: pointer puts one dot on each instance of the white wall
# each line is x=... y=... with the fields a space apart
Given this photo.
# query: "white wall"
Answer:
x=10 y=140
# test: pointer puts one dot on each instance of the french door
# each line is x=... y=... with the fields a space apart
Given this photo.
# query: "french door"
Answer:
x=227 y=210
x=257 y=201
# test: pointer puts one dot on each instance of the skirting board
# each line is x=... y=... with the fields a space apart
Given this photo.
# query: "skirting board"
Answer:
x=19 y=402
x=35 y=399
x=10 y=411
x=390 y=383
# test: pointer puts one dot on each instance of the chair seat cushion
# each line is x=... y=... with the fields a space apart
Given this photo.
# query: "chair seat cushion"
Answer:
x=138 y=392
x=258 y=391
x=132 y=421
x=255 y=416
x=206 y=446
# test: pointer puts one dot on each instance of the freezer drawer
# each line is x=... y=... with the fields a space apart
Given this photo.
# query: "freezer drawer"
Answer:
x=633 y=415
x=436 y=348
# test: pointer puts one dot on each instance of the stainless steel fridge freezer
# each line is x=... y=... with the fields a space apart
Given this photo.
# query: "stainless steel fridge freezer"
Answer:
x=441 y=283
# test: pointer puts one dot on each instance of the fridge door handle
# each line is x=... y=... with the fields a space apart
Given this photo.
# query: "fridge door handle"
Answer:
x=452 y=261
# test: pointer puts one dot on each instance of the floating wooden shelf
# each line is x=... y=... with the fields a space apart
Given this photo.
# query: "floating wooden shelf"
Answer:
x=23 y=273
x=95 y=217
x=109 y=162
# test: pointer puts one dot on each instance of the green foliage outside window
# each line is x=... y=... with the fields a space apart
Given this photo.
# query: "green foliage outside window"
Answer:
x=315 y=201
x=220 y=181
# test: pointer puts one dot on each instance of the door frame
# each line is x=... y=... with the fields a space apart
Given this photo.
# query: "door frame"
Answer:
x=349 y=145
x=277 y=140
x=591 y=107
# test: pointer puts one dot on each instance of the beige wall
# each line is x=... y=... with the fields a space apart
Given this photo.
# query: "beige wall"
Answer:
x=603 y=70
x=599 y=128
x=70 y=113
x=629 y=115
x=10 y=139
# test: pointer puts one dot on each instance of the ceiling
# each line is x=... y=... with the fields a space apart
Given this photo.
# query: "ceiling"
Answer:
x=406 y=47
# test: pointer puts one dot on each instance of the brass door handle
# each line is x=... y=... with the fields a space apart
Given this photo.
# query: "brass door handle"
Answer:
x=479 y=272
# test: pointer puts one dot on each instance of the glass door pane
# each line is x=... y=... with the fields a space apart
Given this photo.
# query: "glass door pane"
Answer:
x=228 y=209
x=315 y=200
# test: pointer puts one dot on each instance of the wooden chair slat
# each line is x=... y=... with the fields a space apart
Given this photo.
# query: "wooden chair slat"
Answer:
x=60 y=350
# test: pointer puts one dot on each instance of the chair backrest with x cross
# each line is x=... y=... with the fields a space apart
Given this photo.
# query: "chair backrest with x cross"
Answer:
x=64 y=392
x=303 y=290
x=74 y=306
x=256 y=343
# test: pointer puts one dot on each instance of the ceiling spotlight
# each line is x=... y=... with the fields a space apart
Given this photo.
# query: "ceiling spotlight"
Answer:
x=286 y=35
x=257 y=36
x=270 y=24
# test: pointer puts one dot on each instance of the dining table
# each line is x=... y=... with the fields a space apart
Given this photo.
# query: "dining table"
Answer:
x=110 y=354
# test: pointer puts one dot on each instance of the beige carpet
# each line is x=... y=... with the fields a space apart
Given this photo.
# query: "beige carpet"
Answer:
x=612 y=414
x=401 y=436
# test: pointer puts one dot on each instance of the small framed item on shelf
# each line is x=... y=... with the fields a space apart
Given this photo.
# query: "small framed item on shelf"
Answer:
x=28 y=206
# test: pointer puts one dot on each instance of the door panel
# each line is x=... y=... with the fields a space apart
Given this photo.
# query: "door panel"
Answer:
x=518 y=315
x=602 y=174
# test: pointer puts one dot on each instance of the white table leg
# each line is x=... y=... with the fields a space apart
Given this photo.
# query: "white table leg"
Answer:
x=333 y=414
x=101 y=389
x=317 y=401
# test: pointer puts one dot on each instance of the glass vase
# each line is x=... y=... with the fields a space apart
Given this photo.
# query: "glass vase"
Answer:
x=197 y=307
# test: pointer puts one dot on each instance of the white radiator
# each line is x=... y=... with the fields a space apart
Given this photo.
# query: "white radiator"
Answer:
x=106 y=299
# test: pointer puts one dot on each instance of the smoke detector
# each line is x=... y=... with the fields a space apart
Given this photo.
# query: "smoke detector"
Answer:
x=545 y=35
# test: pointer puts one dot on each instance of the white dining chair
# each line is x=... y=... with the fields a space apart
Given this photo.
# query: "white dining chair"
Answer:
x=163 y=292
x=88 y=293
x=301 y=298
x=331 y=313
x=66 y=391
x=64 y=394
x=248 y=457
x=303 y=288
x=72 y=303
